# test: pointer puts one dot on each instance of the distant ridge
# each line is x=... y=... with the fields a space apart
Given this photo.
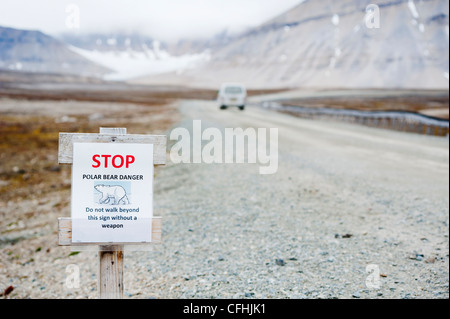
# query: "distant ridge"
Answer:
x=34 y=51
x=326 y=44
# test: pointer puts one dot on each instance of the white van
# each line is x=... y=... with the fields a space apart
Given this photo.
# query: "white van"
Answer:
x=232 y=94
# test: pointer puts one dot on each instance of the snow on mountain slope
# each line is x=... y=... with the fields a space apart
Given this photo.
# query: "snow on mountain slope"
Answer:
x=34 y=51
x=110 y=56
x=129 y=64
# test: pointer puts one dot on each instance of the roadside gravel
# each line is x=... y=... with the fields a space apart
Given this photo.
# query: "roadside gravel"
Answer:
x=361 y=214
x=344 y=198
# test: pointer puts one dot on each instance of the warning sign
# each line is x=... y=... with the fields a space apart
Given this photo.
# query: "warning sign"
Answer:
x=112 y=193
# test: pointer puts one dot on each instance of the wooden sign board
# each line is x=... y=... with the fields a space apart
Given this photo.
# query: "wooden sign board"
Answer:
x=112 y=185
x=132 y=158
x=112 y=193
x=67 y=140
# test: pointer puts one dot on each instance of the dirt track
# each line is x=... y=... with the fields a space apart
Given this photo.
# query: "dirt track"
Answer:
x=344 y=197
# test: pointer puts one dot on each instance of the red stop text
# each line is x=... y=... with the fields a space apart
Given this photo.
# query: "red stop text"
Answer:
x=116 y=161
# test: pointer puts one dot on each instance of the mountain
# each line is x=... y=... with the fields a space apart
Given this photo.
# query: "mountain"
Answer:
x=112 y=41
x=130 y=55
x=34 y=51
x=191 y=46
x=326 y=43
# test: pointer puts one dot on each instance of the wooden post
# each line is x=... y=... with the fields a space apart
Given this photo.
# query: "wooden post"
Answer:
x=110 y=278
x=110 y=261
x=110 y=269
x=110 y=258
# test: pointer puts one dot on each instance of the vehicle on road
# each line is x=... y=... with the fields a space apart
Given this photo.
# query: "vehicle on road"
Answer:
x=232 y=94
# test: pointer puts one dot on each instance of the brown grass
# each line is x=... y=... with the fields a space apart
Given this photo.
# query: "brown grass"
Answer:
x=29 y=142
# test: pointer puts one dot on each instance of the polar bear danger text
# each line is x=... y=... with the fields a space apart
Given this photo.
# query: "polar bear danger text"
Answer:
x=106 y=177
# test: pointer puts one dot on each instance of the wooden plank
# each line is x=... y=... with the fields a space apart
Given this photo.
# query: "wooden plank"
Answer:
x=110 y=281
x=113 y=130
x=66 y=140
x=65 y=232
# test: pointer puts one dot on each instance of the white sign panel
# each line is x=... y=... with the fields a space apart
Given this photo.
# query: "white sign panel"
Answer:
x=112 y=193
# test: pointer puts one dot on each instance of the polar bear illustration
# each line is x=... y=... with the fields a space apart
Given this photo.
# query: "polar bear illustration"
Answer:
x=113 y=195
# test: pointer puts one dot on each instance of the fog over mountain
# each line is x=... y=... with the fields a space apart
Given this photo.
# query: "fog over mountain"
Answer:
x=317 y=44
x=325 y=43
x=111 y=56
x=34 y=51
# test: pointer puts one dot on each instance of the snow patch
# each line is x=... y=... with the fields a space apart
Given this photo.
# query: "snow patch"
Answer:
x=413 y=9
x=15 y=66
x=111 y=41
x=337 y=52
x=282 y=58
x=421 y=28
x=335 y=19
x=332 y=64
x=130 y=64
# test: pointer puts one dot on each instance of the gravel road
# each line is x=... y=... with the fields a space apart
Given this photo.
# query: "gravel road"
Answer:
x=345 y=197
x=352 y=212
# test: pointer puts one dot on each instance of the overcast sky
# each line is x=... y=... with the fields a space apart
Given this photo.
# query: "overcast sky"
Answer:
x=163 y=19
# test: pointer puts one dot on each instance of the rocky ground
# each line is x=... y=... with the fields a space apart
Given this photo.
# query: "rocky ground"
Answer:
x=352 y=212
x=35 y=190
